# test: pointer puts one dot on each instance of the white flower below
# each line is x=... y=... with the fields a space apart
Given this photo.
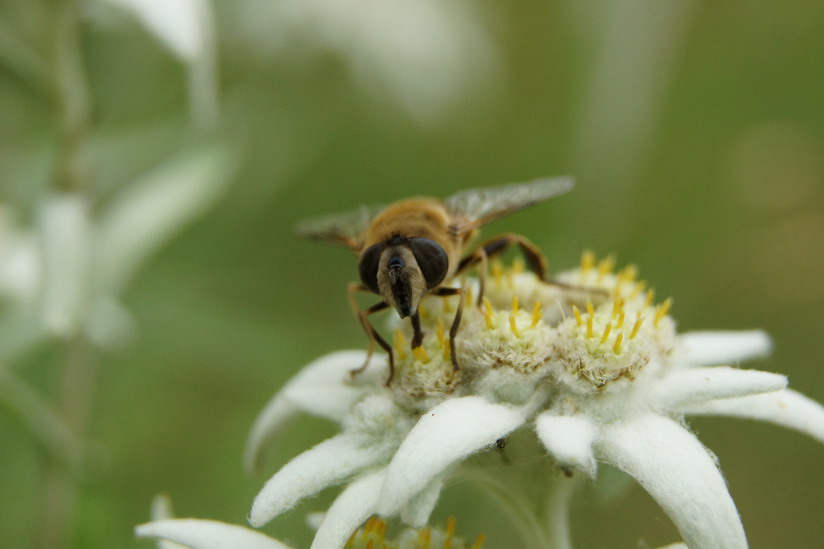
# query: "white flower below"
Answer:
x=599 y=372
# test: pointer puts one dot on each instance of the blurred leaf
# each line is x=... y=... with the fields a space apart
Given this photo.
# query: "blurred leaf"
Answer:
x=40 y=419
x=148 y=213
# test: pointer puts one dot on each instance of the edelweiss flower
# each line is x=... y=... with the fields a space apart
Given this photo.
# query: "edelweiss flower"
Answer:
x=592 y=364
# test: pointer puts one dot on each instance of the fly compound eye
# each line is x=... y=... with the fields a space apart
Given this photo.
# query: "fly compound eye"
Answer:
x=368 y=266
x=432 y=260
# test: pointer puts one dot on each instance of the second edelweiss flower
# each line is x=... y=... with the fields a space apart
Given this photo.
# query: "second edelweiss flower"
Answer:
x=600 y=375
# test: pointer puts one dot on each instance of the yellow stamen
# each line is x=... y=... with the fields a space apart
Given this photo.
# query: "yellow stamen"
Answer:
x=439 y=331
x=513 y=326
x=662 y=311
x=451 y=526
x=421 y=354
x=518 y=265
x=370 y=544
x=367 y=528
x=469 y=297
x=425 y=538
x=510 y=282
x=423 y=311
x=447 y=352
x=515 y=305
x=497 y=272
x=628 y=273
x=617 y=306
x=489 y=314
x=380 y=529
x=577 y=314
x=639 y=287
x=587 y=261
x=617 y=347
x=605 y=266
x=479 y=542
x=400 y=345
x=636 y=327
x=447 y=305
x=607 y=330
x=590 y=314
x=620 y=323
x=538 y=314
x=650 y=297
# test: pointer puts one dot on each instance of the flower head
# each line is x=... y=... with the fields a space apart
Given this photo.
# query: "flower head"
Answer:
x=591 y=362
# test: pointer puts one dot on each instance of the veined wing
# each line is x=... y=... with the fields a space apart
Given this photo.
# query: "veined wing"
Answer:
x=477 y=207
x=345 y=229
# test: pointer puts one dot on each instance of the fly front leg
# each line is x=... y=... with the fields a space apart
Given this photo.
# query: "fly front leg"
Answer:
x=374 y=337
x=534 y=258
x=456 y=322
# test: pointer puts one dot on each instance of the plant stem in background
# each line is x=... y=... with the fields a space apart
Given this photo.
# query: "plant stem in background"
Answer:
x=71 y=174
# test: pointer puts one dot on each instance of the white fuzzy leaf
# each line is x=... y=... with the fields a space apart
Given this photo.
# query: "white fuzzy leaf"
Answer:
x=207 y=534
x=445 y=435
x=356 y=503
x=66 y=240
x=417 y=510
x=320 y=388
x=177 y=24
x=569 y=440
x=326 y=464
x=680 y=474
x=732 y=347
x=698 y=385
x=787 y=408
x=162 y=510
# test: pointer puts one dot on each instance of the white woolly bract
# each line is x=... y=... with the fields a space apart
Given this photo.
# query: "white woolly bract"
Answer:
x=569 y=439
x=417 y=510
x=443 y=436
x=731 y=347
x=320 y=388
x=327 y=464
x=787 y=408
x=356 y=503
x=680 y=474
x=682 y=388
x=207 y=534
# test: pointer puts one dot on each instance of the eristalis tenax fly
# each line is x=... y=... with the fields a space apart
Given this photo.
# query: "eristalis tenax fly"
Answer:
x=416 y=247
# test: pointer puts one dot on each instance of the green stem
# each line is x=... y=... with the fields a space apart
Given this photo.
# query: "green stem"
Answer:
x=72 y=99
x=557 y=523
x=72 y=174
x=521 y=512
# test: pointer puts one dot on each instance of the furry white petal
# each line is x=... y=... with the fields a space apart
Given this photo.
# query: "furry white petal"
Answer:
x=787 y=408
x=350 y=509
x=319 y=389
x=680 y=474
x=730 y=347
x=207 y=534
x=569 y=440
x=417 y=510
x=274 y=416
x=445 y=435
x=162 y=510
x=697 y=385
x=326 y=464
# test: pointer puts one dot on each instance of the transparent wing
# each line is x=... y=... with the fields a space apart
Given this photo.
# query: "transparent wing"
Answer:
x=477 y=207
x=345 y=229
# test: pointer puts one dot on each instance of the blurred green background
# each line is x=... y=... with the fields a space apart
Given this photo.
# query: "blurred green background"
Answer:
x=695 y=131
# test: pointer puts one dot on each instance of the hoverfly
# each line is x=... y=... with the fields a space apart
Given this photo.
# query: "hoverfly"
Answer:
x=415 y=247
